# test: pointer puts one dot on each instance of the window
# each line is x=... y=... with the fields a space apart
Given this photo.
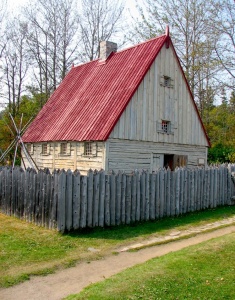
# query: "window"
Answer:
x=45 y=149
x=63 y=148
x=30 y=148
x=88 y=148
x=166 y=81
x=165 y=126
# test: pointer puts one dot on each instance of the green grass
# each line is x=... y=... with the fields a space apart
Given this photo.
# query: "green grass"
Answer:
x=204 y=272
x=27 y=250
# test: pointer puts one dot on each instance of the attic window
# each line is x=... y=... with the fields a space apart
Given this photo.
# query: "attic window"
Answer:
x=166 y=126
x=166 y=81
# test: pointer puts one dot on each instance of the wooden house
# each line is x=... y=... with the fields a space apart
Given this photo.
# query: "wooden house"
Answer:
x=127 y=110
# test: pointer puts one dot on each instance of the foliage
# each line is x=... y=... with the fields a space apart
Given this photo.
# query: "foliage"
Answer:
x=220 y=125
x=221 y=153
x=29 y=107
x=26 y=249
x=204 y=271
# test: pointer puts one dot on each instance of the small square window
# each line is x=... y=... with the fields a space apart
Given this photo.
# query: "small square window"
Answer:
x=88 y=148
x=165 y=126
x=44 y=149
x=63 y=148
x=166 y=81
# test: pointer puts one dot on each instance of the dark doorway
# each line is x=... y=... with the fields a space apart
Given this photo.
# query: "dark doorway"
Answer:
x=172 y=161
x=168 y=161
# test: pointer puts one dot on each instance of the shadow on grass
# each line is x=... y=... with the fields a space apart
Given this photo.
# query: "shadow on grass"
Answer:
x=123 y=232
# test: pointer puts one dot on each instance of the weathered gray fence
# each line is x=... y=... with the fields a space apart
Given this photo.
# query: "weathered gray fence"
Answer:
x=66 y=200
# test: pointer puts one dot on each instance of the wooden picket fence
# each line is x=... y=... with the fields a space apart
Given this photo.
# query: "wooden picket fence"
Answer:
x=69 y=201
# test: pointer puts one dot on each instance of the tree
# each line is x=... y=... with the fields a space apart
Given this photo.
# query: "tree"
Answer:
x=224 y=26
x=52 y=41
x=99 y=20
x=15 y=63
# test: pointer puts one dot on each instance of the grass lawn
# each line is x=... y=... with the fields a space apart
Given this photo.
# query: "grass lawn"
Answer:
x=205 y=272
x=27 y=250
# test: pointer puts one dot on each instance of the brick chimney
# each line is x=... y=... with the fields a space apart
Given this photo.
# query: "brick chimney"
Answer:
x=106 y=48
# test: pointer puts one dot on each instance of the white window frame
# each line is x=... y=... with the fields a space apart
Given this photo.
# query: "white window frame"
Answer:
x=165 y=127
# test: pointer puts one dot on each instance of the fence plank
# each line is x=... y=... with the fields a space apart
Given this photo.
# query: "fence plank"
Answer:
x=123 y=203
x=133 y=197
x=177 y=191
x=168 y=193
x=89 y=197
x=128 y=199
x=118 y=197
x=157 y=196
x=172 y=194
x=112 y=199
x=102 y=199
x=162 y=192
x=76 y=199
x=137 y=195
x=61 y=202
x=69 y=200
x=96 y=195
x=142 y=195
x=83 y=217
x=107 y=200
x=152 y=196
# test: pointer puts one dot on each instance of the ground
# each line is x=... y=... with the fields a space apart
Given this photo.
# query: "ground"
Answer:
x=73 y=280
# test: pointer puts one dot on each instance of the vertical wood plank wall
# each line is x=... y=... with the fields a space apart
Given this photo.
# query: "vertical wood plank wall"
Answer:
x=153 y=102
x=67 y=201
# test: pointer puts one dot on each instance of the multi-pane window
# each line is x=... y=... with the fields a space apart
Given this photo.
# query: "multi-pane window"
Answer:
x=165 y=126
x=63 y=148
x=88 y=148
x=44 y=149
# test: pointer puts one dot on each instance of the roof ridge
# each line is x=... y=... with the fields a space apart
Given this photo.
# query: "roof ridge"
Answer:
x=141 y=43
x=121 y=50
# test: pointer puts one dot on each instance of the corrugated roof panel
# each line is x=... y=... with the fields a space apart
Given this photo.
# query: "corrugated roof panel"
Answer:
x=91 y=98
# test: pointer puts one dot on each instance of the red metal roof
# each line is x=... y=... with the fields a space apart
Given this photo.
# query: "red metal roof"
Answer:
x=91 y=98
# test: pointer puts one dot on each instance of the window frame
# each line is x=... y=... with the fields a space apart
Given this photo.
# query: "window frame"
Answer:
x=65 y=151
x=30 y=148
x=90 y=149
x=166 y=81
x=45 y=149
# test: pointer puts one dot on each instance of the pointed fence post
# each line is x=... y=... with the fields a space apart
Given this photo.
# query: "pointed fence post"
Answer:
x=61 y=224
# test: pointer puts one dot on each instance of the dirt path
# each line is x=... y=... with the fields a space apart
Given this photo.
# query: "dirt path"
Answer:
x=73 y=280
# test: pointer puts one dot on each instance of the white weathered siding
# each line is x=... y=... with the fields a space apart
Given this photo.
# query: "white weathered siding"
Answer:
x=75 y=159
x=127 y=155
x=152 y=103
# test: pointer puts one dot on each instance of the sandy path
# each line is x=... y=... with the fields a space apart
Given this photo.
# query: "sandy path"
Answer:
x=73 y=280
